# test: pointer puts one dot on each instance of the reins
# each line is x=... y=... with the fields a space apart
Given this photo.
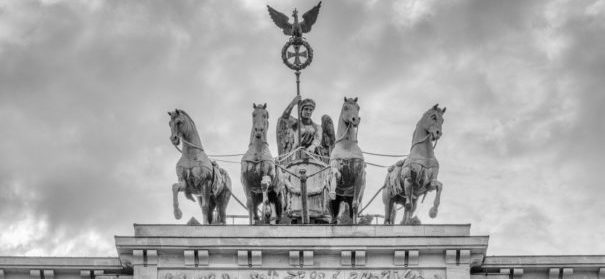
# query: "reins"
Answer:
x=345 y=134
x=187 y=142
x=423 y=140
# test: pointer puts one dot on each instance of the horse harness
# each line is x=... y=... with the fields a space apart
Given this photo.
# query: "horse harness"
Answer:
x=351 y=170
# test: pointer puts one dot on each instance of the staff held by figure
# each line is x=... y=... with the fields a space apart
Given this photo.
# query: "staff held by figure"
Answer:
x=299 y=49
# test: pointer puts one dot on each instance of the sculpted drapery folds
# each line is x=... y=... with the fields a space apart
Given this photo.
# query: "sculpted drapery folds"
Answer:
x=287 y=128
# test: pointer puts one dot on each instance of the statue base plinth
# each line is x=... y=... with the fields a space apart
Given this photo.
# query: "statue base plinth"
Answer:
x=302 y=252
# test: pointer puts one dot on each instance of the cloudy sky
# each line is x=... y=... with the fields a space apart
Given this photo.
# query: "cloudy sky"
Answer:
x=85 y=87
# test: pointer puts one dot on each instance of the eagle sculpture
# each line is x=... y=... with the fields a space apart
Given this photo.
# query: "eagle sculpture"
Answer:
x=297 y=28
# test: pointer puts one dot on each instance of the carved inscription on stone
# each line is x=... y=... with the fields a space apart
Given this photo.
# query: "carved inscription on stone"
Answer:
x=305 y=274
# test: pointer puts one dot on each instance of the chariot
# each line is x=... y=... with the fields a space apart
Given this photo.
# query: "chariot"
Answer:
x=306 y=173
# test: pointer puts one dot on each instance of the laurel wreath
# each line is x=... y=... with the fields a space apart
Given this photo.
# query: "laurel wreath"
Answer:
x=284 y=52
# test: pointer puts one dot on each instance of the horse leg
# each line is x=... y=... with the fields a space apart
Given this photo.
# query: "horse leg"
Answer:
x=438 y=187
x=257 y=200
x=414 y=220
x=273 y=216
x=211 y=207
x=354 y=206
x=264 y=185
x=388 y=212
x=221 y=206
x=358 y=187
x=393 y=213
x=204 y=201
x=279 y=207
x=409 y=193
x=274 y=205
x=386 y=200
x=406 y=216
x=342 y=210
x=334 y=209
x=176 y=188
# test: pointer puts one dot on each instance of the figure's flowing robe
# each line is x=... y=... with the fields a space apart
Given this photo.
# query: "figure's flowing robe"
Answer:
x=287 y=135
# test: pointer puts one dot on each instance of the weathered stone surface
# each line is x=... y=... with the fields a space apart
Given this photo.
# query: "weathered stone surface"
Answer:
x=544 y=261
x=300 y=231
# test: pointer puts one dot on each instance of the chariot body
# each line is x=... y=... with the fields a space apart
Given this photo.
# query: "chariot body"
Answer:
x=308 y=174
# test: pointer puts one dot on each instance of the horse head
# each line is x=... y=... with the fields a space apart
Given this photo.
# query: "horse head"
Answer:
x=260 y=121
x=181 y=126
x=350 y=112
x=431 y=122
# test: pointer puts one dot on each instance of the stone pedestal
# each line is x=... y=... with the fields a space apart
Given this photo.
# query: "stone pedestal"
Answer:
x=302 y=252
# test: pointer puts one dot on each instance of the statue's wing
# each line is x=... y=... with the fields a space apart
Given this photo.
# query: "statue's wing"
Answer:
x=309 y=18
x=285 y=136
x=328 y=136
x=281 y=20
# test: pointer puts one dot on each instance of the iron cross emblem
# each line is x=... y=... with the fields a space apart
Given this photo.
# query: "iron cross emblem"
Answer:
x=298 y=49
x=297 y=54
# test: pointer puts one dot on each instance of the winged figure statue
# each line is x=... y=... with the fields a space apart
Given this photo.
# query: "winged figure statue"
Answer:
x=297 y=28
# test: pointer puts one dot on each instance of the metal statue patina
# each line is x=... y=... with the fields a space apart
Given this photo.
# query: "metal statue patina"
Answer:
x=297 y=28
x=347 y=166
x=416 y=175
x=259 y=175
x=288 y=128
x=197 y=175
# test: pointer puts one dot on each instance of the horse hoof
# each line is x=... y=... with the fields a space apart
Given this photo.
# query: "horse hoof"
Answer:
x=433 y=212
x=178 y=214
x=415 y=221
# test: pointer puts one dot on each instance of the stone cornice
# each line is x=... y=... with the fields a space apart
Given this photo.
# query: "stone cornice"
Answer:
x=545 y=261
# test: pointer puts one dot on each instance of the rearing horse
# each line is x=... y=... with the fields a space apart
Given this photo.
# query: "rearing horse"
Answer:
x=416 y=175
x=196 y=173
x=259 y=175
x=347 y=166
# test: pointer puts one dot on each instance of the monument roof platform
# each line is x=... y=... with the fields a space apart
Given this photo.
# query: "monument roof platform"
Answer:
x=319 y=238
x=301 y=231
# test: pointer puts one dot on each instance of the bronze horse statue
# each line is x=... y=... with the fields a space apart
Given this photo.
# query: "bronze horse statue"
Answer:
x=259 y=175
x=196 y=173
x=416 y=175
x=347 y=166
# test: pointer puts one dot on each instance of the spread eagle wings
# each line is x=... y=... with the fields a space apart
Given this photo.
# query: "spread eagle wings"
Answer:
x=281 y=20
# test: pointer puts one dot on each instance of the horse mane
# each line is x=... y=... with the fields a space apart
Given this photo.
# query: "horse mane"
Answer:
x=191 y=124
x=188 y=117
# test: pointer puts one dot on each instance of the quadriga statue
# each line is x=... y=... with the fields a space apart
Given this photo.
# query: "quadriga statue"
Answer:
x=197 y=175
x=416 y=175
